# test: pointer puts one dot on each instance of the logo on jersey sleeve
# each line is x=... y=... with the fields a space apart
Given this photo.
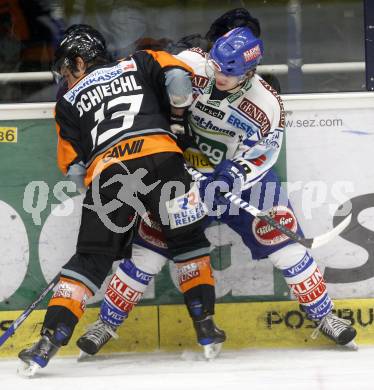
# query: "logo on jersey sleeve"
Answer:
x=199 y=81
x=198 y=50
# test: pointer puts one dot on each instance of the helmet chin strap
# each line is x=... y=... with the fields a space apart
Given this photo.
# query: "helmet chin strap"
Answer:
x=237 y=88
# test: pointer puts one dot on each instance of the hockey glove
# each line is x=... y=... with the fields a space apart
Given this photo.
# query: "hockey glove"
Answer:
x=230 y=174
x=77 y=173
x=178 y=123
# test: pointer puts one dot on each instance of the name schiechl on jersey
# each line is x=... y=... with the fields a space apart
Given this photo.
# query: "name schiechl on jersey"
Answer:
x=96 y=95
x=99 y=76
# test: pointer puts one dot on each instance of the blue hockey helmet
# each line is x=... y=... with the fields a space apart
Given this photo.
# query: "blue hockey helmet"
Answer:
x=237 y=52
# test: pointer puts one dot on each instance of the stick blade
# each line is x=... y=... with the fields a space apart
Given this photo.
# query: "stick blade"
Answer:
x=323 y=239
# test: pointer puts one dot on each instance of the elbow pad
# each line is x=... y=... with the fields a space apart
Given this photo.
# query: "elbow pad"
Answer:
x=179 y=87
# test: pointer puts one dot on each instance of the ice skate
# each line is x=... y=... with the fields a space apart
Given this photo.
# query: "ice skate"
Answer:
x=338 y=330
x=209 y=336
x=97 y=335
x=39 y=354
x=36 y=357
x=28 y=369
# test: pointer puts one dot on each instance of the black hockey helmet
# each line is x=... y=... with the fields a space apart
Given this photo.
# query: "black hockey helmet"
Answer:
x=80 y=40
x=237 y=17
x=81 y=27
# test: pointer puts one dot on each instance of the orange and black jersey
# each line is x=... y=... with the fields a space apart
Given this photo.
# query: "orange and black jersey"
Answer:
x=117 y=111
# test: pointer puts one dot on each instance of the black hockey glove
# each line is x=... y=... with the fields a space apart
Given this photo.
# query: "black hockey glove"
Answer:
x=178 y=123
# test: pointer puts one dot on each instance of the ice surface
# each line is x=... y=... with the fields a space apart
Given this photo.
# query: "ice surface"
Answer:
x=322 y=369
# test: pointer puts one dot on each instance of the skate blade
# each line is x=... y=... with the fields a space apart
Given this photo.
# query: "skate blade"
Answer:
x=211 y=351
x=351 y=346
x=84 y=357
x=28 y=370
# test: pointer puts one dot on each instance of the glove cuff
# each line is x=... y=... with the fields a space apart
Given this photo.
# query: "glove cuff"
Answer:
x=244 y=166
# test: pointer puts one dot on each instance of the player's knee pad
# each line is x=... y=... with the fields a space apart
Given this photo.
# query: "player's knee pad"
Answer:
x=147 y=260
x=288 y=256
x=124 y=291
x=305 y=279
x=196 y=281
x=67 y=305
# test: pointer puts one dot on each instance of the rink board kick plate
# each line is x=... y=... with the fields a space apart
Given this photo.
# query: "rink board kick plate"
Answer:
x=168 y=327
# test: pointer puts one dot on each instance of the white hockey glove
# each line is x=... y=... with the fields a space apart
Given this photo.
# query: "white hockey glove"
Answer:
x=76 y=173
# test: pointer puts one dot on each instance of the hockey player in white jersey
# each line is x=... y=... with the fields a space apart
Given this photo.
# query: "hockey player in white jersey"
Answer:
x=236 y=126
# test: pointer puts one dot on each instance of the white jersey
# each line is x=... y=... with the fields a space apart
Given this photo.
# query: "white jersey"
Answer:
x=246 y=126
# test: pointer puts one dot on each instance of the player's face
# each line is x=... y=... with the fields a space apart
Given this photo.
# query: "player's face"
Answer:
x=68 y=76
x=223 y=82
x=72 y=77
x=226 y=83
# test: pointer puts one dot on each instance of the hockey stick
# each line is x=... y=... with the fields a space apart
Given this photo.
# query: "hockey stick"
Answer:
x=17 y=322
x=307 y=242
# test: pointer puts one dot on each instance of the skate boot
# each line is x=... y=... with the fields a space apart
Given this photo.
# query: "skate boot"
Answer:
x=209 y=336
x=39 y=354
x=97 y=335
x=337 y=329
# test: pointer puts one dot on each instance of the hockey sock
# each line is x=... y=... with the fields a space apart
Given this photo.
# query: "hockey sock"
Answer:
x=305 y=280
x=124 y=291
x=66 y=306
x=196 y=281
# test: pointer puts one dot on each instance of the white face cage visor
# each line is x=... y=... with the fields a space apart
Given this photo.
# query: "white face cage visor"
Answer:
x=211 y=67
